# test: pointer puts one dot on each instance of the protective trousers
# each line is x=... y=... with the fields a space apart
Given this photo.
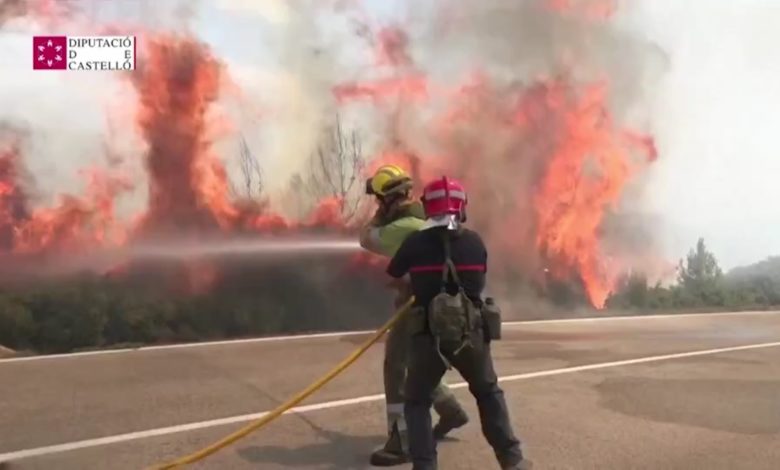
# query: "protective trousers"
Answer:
x=475 y=364
x=395 y=374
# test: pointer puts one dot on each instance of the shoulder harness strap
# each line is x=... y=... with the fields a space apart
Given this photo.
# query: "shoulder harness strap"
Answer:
x=449 y=265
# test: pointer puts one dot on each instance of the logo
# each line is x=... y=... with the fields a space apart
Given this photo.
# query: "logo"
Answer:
x=92 y=53
x=50 y=52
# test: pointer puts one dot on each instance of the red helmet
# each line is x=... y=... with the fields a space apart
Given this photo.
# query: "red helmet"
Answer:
x=444 y=196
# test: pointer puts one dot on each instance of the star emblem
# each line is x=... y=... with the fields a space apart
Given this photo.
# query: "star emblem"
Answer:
x=49 y=52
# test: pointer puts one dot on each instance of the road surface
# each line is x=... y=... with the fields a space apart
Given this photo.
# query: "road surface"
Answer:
x=670 y=392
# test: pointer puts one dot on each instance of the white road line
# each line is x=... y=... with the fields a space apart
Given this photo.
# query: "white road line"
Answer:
x=266 y=339
x=102 y=441
x=672 y=316
x=269 y=339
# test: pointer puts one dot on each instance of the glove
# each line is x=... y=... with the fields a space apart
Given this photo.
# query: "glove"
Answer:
x=387 y=212
x=379 y=218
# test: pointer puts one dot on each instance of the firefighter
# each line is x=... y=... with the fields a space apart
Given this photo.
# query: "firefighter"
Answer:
x=396 y=217
x=450 y=325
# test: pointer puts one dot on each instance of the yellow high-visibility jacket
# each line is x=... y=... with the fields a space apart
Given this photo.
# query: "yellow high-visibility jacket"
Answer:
x=384 y=237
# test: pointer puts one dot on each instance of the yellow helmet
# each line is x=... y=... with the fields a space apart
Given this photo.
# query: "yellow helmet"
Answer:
x=388 y=179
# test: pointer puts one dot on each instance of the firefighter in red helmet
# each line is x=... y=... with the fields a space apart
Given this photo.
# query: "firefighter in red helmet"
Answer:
x=397 y=216
x=451 y=325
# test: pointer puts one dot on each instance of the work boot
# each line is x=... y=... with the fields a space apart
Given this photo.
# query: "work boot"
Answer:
x=385 y=457
x=388 y=458
x=391 y=454
x=449 y=422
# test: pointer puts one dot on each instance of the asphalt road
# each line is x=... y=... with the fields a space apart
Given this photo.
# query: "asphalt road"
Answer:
x=685 y=392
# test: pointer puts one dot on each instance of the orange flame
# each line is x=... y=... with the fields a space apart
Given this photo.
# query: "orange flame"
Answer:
x=545 y=163
x=188 y=185
x=410 y=87
x=586 y=175
x=573 y=164
x=76 y=223
x=178 y=81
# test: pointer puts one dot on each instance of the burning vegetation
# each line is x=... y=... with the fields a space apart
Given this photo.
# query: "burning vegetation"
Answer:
x=545 y=159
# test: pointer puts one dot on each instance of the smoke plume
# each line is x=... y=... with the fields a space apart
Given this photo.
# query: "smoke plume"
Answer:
x=539 y=106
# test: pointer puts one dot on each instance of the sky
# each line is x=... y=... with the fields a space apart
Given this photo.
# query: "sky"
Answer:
x=715 y=110
x=716 y=120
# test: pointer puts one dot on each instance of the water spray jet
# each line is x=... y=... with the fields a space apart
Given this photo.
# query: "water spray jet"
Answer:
x=169 y=250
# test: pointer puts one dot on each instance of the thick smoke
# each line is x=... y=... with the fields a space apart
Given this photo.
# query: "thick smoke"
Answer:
x=579 y=46
x=542 y=108
x=12 y=9
x=539 y=106
x=169 y=113
x=14 y=206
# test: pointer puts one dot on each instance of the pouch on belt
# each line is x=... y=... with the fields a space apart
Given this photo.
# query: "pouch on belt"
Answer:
x=491 y=319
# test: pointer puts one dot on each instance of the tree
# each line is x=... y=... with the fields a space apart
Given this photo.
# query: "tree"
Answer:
x=335 y=168
x=632 y=291
x=16 y=323
x=637 y=291
x=252 y=186
x=700 y=267
x=67 y=316
x=700 y=276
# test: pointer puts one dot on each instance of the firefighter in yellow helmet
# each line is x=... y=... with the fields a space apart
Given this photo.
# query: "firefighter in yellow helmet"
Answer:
x=396 y=217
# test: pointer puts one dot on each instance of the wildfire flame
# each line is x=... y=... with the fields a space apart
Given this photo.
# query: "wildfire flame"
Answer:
x=188 y=187
x=587 y=172
x=544 y=162
x=569 y=161
x=74 y=222
x=187 y=182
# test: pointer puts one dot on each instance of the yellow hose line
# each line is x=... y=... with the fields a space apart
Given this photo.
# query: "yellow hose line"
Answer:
x=281 y=409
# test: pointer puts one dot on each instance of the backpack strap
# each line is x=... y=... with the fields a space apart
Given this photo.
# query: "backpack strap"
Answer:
x=449 y=266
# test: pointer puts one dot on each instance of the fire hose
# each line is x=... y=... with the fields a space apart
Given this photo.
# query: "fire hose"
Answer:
x=286 y=406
